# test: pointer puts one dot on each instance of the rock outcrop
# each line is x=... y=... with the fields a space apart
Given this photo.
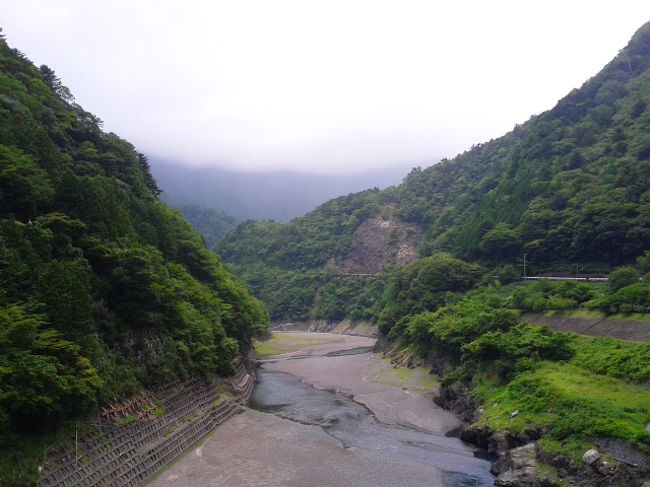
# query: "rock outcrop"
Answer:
x=378 y=243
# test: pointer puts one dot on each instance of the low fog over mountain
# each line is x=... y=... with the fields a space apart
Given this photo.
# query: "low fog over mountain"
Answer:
x=275 y=195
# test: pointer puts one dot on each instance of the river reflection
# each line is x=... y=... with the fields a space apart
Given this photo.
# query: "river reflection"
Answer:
x=355 y=427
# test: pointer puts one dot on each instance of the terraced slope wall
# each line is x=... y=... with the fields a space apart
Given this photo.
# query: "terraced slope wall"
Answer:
x=623 y=329
x=123 y=453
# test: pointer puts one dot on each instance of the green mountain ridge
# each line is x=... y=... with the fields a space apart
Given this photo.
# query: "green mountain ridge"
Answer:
x=568 y=187
x=104 y=290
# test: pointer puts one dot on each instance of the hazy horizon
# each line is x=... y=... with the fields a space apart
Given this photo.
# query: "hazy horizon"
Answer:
x=318 y=87
x=272 y=194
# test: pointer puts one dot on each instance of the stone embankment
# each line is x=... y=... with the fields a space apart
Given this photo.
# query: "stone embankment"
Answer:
x=344 y=327
x=131 y=449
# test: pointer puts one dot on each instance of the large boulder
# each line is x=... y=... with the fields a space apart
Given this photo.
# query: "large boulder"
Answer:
x=518 y=468
x=590 y=457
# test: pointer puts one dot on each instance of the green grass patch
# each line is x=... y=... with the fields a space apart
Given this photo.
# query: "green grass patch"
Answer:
x=584 y=313
x=282 y=342
x=578 y=404
x=593 y=314
x=623 y=359
x=220 y=400
x=160 y=408
x=224 y=394
x=131 y=418
x=263 y=349
x=571 y=448
x=632 y=317
x=402 y=373
x=417 y=379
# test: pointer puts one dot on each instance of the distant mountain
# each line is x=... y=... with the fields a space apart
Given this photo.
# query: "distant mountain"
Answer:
x=211 y=224
x=272 y=195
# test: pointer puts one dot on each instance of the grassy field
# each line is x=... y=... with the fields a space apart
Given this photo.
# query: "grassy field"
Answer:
x=622 y=359
x=578 y=404
x=284 y=342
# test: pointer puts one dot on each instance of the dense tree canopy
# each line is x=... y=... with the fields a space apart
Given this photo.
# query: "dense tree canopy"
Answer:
x=103 y=289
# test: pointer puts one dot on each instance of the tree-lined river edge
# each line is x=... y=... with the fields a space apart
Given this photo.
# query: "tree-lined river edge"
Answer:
x=328 y=412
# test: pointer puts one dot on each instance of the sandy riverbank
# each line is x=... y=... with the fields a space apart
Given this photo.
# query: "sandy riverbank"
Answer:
x=260 y=449
x=394 y=395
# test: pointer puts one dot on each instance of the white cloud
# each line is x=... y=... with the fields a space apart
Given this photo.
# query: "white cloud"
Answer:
x=318 y=85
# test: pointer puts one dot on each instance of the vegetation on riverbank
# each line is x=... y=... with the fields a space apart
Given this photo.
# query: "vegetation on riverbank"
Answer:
x=278 y=343
x=575 y=405
x=520 y=377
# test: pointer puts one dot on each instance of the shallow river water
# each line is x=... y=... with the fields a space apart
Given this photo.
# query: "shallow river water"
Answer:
x=356 y=428
x=326 y=411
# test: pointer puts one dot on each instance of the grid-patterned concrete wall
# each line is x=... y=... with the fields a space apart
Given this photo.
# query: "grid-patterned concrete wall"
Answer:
x=126 y=455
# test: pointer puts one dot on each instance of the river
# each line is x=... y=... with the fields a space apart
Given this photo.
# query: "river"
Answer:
x=328 y=412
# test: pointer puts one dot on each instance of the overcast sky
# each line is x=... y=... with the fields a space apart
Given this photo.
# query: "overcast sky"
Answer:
x=322 y=86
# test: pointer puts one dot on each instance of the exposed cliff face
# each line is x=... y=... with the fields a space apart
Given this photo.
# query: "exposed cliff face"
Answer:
x=380 y=242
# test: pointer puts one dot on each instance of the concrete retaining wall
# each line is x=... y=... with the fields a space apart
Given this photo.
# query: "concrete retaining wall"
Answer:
x=344 y=327
x=127 y=455
x=622 y=329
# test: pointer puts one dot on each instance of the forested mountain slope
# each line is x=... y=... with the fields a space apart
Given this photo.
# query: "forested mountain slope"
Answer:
x=210 y=224
x=570 y=186
x=103 y=288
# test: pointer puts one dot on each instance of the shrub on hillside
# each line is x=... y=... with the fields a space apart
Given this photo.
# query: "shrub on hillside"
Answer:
x=451 y=327
x=621 y=277
x=549 y=295
x=630 y=299
x=622 y=359
x=423 y=286
x=643 y=262
x=519 y=348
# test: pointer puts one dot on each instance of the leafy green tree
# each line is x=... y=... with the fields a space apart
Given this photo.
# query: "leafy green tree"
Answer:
x=422 y=286
x=44 y=377
x=621 y=277
x=643 y=262
x=25 y=187
x=60 y=281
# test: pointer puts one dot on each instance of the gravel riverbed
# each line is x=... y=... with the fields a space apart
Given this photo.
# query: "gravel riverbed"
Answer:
x=327 y=418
